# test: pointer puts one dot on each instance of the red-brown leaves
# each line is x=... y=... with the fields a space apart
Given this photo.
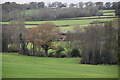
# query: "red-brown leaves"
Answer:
x=43 y=34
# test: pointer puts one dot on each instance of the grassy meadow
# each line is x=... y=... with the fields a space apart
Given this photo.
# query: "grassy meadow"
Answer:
x=65 y=22
x=113 y=14
x=108 y=11
x=78 y=21
x=71 y=23
x=19 y=66
x=68 y=22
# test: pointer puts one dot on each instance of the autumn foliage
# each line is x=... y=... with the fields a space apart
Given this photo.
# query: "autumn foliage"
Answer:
x=43 y=35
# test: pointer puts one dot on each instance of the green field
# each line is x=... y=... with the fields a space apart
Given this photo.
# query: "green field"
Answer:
x=69 y=22
x=108 y=11
x=91 y=17
x=113 y=14
x=30 y=26
x=66 y=22
x=72 y=23
x=19 y=66
x=67 y=28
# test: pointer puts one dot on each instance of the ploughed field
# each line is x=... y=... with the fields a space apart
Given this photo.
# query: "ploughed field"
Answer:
x=20 y=66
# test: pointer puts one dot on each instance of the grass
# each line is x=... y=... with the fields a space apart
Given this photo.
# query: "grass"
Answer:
x=90 y=17
x=69 y=22
x=65 y=22
x=30 y=26
x=19 y=66
x=113 y=14
x=70 y=28
x=108 y=10
x=67 y=28
x=72 y=23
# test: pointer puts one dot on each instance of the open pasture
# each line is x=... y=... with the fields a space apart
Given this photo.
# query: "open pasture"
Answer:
x=106 y=14
x=69 y=22
x=107 y=11
x=65 y=22
x=19 y=66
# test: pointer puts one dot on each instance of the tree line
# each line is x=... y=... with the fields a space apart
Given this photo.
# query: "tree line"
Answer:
x=95 y=44
x=57 y=5
x=52 y=11
x=50 y=14
x=99 y=43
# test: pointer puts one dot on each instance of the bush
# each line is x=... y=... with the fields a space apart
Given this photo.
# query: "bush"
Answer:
x=13 y=48
x=58 y=52
x=75 y=53
x=51 y=53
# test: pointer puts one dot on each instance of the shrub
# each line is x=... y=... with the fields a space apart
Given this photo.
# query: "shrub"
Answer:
x=75 y=53
x=58 y=52
x=13 y=48
x=51 y=53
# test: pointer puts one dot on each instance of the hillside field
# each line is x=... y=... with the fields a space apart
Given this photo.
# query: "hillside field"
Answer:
x=107 y=11
x=71 y=23
x=19 y=66
x=65 y=22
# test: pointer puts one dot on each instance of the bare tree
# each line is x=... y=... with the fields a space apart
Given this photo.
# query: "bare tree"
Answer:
x=108 y=5
x=41 y=5
x=80 y=5
x=99 y=5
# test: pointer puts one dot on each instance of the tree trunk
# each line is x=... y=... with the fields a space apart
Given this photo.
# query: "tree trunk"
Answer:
x=4 y=46
x=34 y=52
x=46 y=53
